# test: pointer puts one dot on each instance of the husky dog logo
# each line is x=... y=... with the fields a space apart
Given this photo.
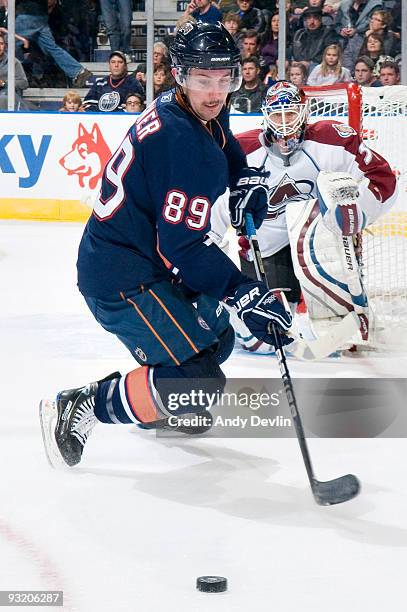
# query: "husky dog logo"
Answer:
x=88 y=156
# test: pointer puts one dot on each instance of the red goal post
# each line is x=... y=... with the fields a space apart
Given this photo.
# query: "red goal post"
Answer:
x=379 y=115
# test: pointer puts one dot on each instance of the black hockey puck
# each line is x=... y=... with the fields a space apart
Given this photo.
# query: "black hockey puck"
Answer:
x=211 y=584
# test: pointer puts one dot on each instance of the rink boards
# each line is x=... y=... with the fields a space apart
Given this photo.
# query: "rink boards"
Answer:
x=51 y=163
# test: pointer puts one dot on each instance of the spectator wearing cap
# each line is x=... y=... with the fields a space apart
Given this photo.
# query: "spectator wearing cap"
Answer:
x=364 y=75
x=203 y=10
x=309 y=42
x=117 y=15
x=328 y=13
x=389 y=73
x=353 y=17
x=251 y=17
x=108 y=94
x=379 y=23
x=134 y=103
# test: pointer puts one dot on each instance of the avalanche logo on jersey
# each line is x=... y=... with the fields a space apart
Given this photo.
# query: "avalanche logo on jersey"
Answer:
x=344 y=130
x=287 y=189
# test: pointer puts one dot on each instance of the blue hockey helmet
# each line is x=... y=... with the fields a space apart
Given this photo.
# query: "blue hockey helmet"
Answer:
x=285 y=111
x=207 y=46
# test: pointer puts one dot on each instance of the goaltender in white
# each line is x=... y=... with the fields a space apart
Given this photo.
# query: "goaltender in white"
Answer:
x=325 y=186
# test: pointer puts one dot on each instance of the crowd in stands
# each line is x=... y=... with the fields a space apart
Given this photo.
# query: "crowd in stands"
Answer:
x=327 y=42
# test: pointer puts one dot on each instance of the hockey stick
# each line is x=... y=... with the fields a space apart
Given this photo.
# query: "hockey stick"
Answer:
x=326 y=493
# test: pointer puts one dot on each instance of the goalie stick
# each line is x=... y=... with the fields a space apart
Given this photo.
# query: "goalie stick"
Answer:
x=327 y=493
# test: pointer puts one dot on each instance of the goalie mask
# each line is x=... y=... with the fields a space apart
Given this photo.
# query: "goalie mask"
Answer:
x=285 y=111
x=207 y=46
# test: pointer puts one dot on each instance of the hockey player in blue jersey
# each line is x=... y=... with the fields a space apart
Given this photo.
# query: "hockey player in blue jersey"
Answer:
x=146 y=266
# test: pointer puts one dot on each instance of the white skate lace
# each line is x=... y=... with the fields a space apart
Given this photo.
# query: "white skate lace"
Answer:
x=83 y=420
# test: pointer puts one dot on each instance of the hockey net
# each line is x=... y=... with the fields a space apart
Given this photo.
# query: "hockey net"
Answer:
x=380 y=115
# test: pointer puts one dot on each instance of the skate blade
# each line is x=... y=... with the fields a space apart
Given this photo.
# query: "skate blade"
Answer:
x=48 y=420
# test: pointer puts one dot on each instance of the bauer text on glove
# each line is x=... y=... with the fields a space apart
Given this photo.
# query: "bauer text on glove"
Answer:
x=248 y=194
x=258 y=307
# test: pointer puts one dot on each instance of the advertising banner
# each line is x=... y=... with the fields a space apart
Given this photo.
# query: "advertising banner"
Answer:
x=51 y=164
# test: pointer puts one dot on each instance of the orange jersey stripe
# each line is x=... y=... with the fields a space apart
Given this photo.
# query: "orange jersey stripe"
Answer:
x=151 y=328
x=177 y=325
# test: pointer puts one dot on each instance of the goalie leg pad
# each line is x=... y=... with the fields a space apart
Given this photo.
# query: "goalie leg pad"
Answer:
x=319 y=258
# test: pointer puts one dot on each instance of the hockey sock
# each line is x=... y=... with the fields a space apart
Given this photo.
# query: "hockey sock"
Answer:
x=134 y=398
x=129 y=399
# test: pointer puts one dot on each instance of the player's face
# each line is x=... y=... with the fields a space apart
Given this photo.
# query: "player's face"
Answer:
x=2 y=47
x=117 y=67
x=207 y=91
x=286 y=118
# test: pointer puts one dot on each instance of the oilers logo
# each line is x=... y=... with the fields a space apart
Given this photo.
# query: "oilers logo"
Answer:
x=140 y=354
x=109 y=101
x=203 y=323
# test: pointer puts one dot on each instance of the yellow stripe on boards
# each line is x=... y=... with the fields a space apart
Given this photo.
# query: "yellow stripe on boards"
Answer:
x=43 y=209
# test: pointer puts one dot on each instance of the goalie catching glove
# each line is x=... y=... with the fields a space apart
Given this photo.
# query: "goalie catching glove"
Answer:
x=258 y=307
x=338 y=195
x=248 y=194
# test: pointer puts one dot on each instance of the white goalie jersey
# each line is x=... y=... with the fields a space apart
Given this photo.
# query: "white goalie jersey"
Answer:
x=328 y=146
x=324 y=262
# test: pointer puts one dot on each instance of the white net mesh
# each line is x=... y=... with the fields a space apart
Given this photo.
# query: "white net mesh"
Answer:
x=384 y=127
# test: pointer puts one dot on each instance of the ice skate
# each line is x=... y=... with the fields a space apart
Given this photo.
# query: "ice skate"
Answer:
x=67 y=423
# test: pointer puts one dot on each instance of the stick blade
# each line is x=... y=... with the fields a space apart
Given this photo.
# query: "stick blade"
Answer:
x=336 y=491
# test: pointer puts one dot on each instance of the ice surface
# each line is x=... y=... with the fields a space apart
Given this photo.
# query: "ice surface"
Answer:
x=141 y=518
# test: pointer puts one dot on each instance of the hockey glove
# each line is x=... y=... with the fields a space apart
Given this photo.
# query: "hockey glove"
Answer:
x=338 y=195
x=248 y=194
x=257 y=307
